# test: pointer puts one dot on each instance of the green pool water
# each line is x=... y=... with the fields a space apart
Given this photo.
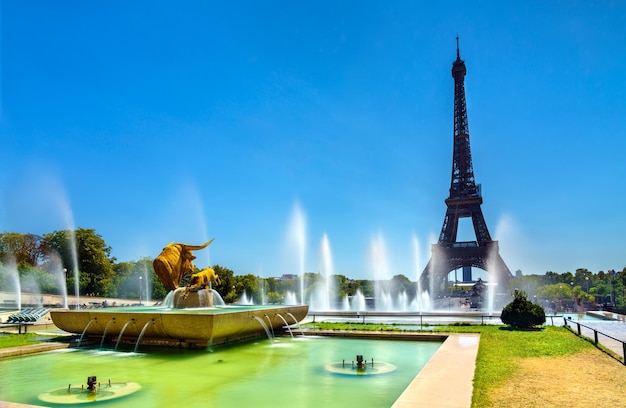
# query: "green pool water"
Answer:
x=287 y=372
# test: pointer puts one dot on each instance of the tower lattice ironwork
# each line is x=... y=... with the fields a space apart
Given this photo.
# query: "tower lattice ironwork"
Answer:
x=464 y=201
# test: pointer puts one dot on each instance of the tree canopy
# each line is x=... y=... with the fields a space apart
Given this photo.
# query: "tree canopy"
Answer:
x=87 y=251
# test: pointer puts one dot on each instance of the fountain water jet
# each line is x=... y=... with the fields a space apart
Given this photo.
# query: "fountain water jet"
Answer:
x=345 y=304
x=327 y=265
x=263 y=297
x=30 y=284
x=85 y=330
x=297 y=233
x=244 y=300
x=146 y=282
x=59 y=274
x=267 y=330
x=143 y=330
x=403 y=302
x=286 y=324
x=420 y=294
x=327 y=268
x=269 y=323
x=119 y=338
x=105 y=331
x=378 y=255
x=14 y=278
x=492 y=283
x=296 y=322
x=68 y=219
x=359 y=301
x=74 y=256
x=290 y=298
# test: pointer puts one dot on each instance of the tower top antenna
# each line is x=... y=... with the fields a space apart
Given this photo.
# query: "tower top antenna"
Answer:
x=458 y=54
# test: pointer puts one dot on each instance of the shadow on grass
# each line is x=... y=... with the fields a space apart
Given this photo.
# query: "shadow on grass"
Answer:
x=521 y=329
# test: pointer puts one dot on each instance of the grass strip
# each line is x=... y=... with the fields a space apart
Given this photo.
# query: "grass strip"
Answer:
x=16 y=340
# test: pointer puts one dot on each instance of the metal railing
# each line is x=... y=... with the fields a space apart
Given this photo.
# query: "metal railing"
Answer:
x=617 y=346
x=421 y=318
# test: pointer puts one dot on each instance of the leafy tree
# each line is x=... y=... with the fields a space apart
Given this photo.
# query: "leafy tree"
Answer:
x=621 y=281
x=36 y=280
x=4 y=277
x=248 y=284
x=284 y=286
x=119 y=286
x=583 y=278
x=340 y=284
x=159 y=291
x=274 y=298
x=311 y=282
x=399 y=284
x=531 y=283
x=602 y=288
x=95 y=263
x=366 y=286
x=226 y=288
x=26 y=249
x=580 y=295
x=522 y=313
x=556 y=292
x=271 y=284
x=552 y=278
x=125 y=282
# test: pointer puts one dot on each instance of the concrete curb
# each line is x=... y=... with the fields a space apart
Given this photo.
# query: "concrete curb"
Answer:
x=31 y=349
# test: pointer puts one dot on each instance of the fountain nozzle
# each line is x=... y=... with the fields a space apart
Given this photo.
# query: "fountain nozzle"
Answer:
x=360 y=362
x=91 y=383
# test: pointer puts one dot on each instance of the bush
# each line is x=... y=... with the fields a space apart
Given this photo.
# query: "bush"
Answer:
x=522 y=313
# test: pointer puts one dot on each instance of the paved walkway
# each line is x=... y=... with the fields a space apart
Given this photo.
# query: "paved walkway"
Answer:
x=447 y=380
x=610 y=334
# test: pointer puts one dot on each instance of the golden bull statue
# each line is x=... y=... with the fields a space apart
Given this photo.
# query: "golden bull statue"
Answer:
x=201 y=280
x=175 y=262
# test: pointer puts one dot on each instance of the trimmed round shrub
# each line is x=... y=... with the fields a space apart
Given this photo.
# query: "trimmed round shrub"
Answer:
x=522 y=313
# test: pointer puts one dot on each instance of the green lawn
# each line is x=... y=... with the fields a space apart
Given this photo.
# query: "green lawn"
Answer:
x=500 y=349
x=15 y=340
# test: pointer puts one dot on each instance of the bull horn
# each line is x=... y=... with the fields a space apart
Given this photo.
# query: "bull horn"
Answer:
x=196 y=247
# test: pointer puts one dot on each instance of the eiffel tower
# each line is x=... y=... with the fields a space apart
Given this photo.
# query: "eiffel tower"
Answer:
x=464 y=202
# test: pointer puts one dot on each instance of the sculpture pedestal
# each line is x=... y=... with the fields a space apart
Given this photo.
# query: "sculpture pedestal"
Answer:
x=199 y=298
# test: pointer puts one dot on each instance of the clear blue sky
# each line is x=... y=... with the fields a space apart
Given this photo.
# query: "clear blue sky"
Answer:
x=157 y=121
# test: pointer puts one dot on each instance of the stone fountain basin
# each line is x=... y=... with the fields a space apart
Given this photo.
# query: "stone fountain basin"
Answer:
x=162 y=326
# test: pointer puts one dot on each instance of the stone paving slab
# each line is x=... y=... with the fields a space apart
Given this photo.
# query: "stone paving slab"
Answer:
x=447 y=380
x=31 y=349
x=5 y=404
